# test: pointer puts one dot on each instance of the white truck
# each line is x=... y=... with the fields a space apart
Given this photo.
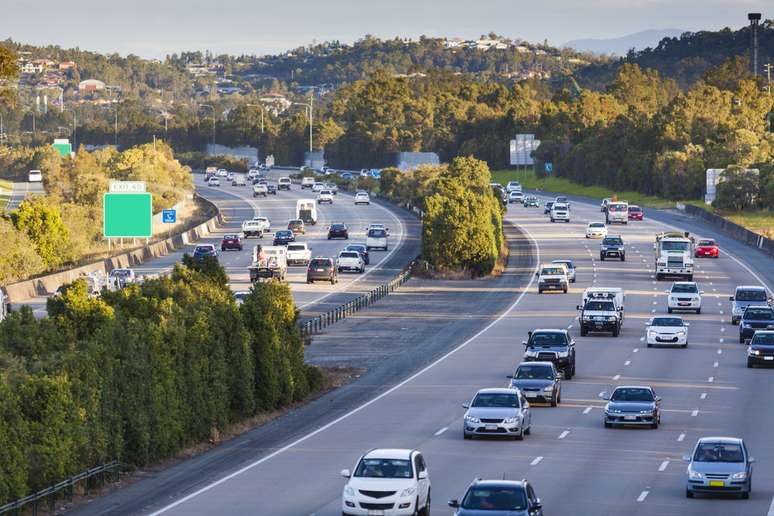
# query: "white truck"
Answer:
x=559 y=212
x=306 y=210
x=307 y=182
x=253 y=228
x=260 y=189
x=674 y=254
x=299 y=253
x=5 y=305
x=617 y=212
x=614 y=293
x=269 y=262
x=600 y=312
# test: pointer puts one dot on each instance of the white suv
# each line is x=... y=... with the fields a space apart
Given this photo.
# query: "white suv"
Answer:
x=389 y=482
x=362 y=198
x=560 y=212
x=325 y=196
x=684 y=295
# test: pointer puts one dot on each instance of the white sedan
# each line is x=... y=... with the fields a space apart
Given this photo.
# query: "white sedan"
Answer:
x=350 y=261
x=213 y=181
x=325 y=196
x=362 y=198
x=684 y=295
x=596 y=230
x=667 y=331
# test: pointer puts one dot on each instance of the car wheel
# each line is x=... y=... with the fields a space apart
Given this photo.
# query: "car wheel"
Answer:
x=669 y=310
x=608 y=425
x=565 y=289
x=650 y=345
x=741 y=339
x=540 y=290
x=519 y=436
x=616 y=331
x=583 y=331
x=426 y=509
x=623 y=257
x=698 y=311
x=528 y=430
x=745 y=495
x=554 y=401
x=602 y=257
x=688 y=493
x=749 y=364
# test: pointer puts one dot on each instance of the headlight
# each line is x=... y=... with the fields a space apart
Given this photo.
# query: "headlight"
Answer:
x=755 y=352
x=681 y=332
x=563 y=354
x=530 y=354
x=646 y=411
x=739 y=475
x=349 y=491
x=673 y=299
x=511 y=420
x=549 y=388
x=587 y=318
x=695 y=475
x=409 y=491
x=652 y=334
x=471 y=419
x=611 y=318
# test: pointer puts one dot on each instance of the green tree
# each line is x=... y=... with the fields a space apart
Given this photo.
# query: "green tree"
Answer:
x=41 y=221
x=18 y=259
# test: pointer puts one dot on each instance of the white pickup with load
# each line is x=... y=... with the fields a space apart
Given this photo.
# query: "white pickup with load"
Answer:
x=252 y=228
x=239 y=180
x=614 y=293
x=674 y=254
x=260 y=189
x=269 y=262
x=299 y=253
x=617 y=212
x=307 y=182
x=600 y=311
x=306 y=210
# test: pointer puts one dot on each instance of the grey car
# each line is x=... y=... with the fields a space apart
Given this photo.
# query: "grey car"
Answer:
x=570 y=268
x=744 y=296
x=497 y=412
x=498 y=498
x=635 y=405
x=538 y=381
x=719 y=465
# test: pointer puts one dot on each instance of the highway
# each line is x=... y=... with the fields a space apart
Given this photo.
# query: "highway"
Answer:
x=576 y=465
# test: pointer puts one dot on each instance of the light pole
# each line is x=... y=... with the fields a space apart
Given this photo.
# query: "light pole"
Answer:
x=213 y=119
x=310 y=112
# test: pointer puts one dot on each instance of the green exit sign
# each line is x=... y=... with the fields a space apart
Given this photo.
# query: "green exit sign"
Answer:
x=127 y=215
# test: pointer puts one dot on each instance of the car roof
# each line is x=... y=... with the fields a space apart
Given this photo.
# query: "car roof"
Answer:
x=562 y=260
x=536 y=363
x=750 y=287
x=648 y=387
x=389 y=453
x=499 y=483
x=548 y=330
x=724 y=440
x=497 y=390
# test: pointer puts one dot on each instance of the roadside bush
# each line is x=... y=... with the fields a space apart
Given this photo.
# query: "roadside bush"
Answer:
x=42 y=222
x=18 y=258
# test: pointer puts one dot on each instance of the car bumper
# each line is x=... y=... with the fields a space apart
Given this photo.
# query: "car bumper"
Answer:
x=298 y=261
x=380 y=507
x=595 y=235
x=227 y=247
x=678 y=271
x=684 y=305
x=504 y=429
x=319 y=277
x=621 y=419
x=612 y=252
x=552 y=286
x=604 y=326
x=352 y=268
x=729 y=486
x=667 y=340
x=705 y=254
x=761 y=359
x=538 y=396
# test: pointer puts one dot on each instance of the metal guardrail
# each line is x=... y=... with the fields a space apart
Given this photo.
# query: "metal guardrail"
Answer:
x=316 y=324
x=68 y=485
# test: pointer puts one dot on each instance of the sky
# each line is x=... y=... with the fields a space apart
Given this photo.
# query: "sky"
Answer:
x=153 y=29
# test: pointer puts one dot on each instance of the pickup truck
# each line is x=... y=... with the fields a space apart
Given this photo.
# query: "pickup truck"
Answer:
x=600 y=313
x=307 y=182
x=299 y=254
x=350 y=261
x=269 y=262
x=253 y=228
x=260 y=189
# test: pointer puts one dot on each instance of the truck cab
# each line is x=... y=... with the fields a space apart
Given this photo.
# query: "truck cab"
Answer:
x=674 y=255
x=306 y=210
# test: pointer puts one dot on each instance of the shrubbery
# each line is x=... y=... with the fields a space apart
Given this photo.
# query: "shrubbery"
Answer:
x=137 y=375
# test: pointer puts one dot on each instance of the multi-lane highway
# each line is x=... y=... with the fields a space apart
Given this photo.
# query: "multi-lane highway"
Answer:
x=575 y=464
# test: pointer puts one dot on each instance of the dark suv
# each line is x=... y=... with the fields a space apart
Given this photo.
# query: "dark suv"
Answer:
x=338 y=230
x=322 y=269
x=551 y=346
x=498 y=498
x=283 y=237
x=612 y=247
x=755 y=318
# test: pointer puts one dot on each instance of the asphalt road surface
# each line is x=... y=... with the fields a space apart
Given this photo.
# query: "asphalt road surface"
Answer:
x=576 y=465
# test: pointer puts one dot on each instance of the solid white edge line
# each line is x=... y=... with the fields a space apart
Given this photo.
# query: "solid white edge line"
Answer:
x=587 y=410
x=680 y=437
x=369 y=402
x=771 y=508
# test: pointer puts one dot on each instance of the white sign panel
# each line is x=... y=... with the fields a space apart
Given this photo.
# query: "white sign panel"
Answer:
x=521 y=149
x=127 y=186
x=713 y=178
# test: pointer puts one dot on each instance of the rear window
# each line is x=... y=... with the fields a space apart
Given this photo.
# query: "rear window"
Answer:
x=377 y=233
x=203 y=249
x=320 y=262
x=338 y=227
x=349 y=255
x=296 y=247
x=706 y=242
x=635 y=209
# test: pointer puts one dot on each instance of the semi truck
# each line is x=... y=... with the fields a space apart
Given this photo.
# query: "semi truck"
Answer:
x=674 y=254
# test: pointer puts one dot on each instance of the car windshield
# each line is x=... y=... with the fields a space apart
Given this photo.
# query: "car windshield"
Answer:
x=320 y=262
x=534 y=372
x=552 y=271
x=203 y=249
x=674 y=246
x=567 y=263
x=600 y=306
x=612 y=241
x=296 y=247
x=718 y=452
x=349 y=255
x=632 y=394
x=706 y=242
x=763 y=339
x=384 y=468
x=635 y=209
x=548 y=339
x=667 y=321
x=377 y=233
x=751 y=295
x=759 y=314
x=687 y=288
x=503 y=498
x=496 y=400
x=596 y=225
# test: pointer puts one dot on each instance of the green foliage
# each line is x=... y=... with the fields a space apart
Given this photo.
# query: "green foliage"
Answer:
x=208 y=266
x=41 y=221
x=18 y=258
x=738 y=190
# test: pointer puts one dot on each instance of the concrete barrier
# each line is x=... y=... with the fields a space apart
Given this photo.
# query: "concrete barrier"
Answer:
x=46 y=285
x=732 y=229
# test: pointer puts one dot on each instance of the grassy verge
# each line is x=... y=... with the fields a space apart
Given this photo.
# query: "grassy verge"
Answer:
x=761 y=222
x=5 y=192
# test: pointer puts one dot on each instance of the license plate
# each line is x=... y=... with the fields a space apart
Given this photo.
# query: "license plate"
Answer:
x=319 y=270
x=372 y=512
x=491 y=427
x=599 y=318
x=630 y=418
x=768 y=358
x=534 y=394
x=717 y=483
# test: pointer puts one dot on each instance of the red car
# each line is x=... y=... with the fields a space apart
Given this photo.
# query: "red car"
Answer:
x=635 y=212
x=231 y=242
x=707 y=248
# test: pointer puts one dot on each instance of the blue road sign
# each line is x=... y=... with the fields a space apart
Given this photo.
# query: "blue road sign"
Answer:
x=549 y=167
x=169 y=216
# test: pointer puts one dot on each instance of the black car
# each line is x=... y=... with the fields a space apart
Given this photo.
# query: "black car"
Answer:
x=761 y=350
x=538 y=381
x=284 y=237
x=203 y=251
x=755 y=318
x=338 y=230
x=498 y=498
x=271 y=189
x=362 y=250
x=551 y=346
x=547 y=207
x=612 y=247
x=322 y=269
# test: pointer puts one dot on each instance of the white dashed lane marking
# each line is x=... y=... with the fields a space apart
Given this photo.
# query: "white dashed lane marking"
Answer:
x=442 y=430
x=563 y=434
x=642 y=496
x=663 y=465
x=536 y=461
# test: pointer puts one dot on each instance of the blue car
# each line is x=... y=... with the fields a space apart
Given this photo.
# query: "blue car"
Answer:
x=719 y=465
x=498 y=498
x=283 y=237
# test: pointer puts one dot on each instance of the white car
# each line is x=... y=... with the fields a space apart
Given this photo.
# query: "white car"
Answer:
x=213 y=181
x=238 y=180
x=333 y=187
x=596 y=230
x=684 y=295
x=252 y=228
x=362 y=198
x=222 y=172
x=253 y=173
x=318 y=187
x=307 y=182
x=513 y=186
x=230 y=176
x=350 y=261
x=384 y=478
x=325 y=196
x=260 y=189
x=515 y=196
x=264 y=222
x=283 y=183
x=299 y=253
x=376 y=238
x=667 y=331
x=35 y=176
x=560 y=212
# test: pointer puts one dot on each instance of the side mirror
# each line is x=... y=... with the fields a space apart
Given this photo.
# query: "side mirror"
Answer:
x=537 y=505
x=560 y=375
x=510 y=376
x=658 y=398
x=523 y=342
x=526 y=404
x=537 y=274
x=466 y=405
x=422 y=475
x=578 y=307
x=686 y=324
x=603 y=395
x=686 y=458
x=751 y=460
x=454 y=503
x=345 y=473
x=701 y=292
x=731 y=298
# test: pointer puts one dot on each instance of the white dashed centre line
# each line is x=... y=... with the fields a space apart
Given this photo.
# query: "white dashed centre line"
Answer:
x=680 y=438
x=715 y=364
x=536 y=461
x=663 y=465
x=442 y=430
x=617 y=377
x=627 y=362
x=563 y=434
x=703 y=396
x=635 y=350
x=711 y=379
x=587 y=410
x=720 y=351
x=642 y=496
x=695 y=413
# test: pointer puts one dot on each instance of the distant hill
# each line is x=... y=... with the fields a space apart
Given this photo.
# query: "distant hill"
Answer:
x=620 y=46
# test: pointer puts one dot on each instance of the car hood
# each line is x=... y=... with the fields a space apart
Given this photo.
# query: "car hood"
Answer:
x=631 y=406
x=381 y=484
x=494 y=413
x=531 y=384
x=612 y=246
x=718 y=467
x=667 y=329
x=476 y=512
x=598 y=313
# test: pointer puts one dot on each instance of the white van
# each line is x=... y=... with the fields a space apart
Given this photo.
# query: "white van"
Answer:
x=306 y=210
x=376 y=238
x=35 y=176
x=307 y=182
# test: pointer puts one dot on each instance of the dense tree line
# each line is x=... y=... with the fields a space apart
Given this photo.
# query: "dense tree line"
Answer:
x=139 y=374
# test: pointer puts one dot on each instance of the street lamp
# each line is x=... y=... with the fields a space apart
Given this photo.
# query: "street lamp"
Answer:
x=213 y=119
x=310 y=108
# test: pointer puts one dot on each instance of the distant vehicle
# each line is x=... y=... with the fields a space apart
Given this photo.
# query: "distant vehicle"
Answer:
x=253 y=228
x=707 y=248
x=761 y=349
x=260 y=189
x=264 y=222
x=35 y=176
x=550 y=345
x=552 y=276
x=744 y=296
x=362 y=198
x=306 y=210
x=616 y=294
x=5 y=306
x=318 y=187
x=362 y=250
x=222 y=172
x=605 y=202
x=210 y=171
x=500 y=193
x=321 y=269
x=719 y=465
x=617 y=212
x=325 y=196
x=561 y=199
x=667 y=331
x=559 y=212
x=297 y=226
x=513 y=186
x=307 y=182
x=376 y=173
x=364 y=172
x=498 y=498
x=531 y=201
x=547 y=207
x=230 y=176
x=387 y=478
x=240 y=296
x=253 y=173
x=515 y=197
x=378 y=226
x=238 y=180
x=632 y=405
x=283 y=237
x=635 y=212
x=497 y=412
x=284 y=183
x=119 y=278
x=538 y=381
x=231 y=241
x=213 y=181
x=338 y=230
x=347 y=175
x=570 y=268
x=755 y=318
x=376 y=239
x=684 y=295
x=612 y=247
x=333 y=187
x=299 y=253
x=271 y=189
x=202 y=251
x=350 y=261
